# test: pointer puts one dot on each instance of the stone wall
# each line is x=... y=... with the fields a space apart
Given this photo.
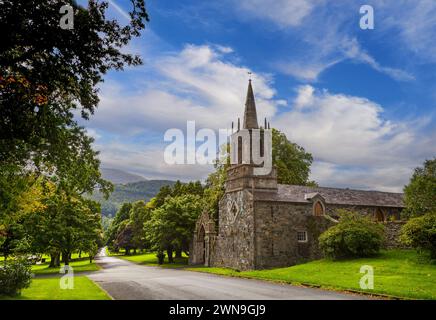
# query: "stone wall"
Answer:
x=390 y=213
x=276 y=240
x=392 y=232
x=263 y=234
x=234 y=245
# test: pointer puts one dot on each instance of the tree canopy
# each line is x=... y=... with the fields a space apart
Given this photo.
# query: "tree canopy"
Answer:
x=420 y=193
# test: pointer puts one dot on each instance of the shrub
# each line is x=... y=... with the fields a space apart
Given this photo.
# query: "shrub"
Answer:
x=420 y=233
x=353 y=236
x=14 y=276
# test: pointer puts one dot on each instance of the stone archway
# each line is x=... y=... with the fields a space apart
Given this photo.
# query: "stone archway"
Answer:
x=203 y=241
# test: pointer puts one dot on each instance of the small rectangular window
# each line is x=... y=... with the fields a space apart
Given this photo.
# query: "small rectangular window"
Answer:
x=302 y=236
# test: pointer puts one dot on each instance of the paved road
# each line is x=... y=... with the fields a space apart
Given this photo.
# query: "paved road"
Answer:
x=126 y=280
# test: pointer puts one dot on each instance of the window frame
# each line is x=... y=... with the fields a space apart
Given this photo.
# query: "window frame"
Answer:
x=304 y=232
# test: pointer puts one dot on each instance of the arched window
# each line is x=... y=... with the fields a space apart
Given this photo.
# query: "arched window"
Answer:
x=202 y=245
x=318 y=209
x=379 y=215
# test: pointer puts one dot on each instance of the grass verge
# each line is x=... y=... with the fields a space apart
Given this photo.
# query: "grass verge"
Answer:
x=49 y=289
x=150 y=259
x=400 y=273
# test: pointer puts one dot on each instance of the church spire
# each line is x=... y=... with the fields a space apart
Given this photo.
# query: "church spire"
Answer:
x=250 y=114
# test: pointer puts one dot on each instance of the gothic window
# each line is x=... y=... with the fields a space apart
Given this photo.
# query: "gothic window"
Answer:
x=318 y=209
x=239 y=150
x=302 y=236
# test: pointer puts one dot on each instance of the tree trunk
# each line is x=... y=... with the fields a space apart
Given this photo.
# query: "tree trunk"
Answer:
x=58 y=260
x=52 y=260
x=80 y=253
x=170 y=254
x=66 y=258
x=178 y=253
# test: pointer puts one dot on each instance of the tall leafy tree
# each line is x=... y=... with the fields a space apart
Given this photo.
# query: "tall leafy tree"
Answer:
x=420 y=193
x=47 y=74
x=291 y=160
x=171 y=225
x=123 y=214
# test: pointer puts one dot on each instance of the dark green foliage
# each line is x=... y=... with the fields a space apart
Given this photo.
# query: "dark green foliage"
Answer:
x=420 y=233
x=292 y=161
x=420 y=193
x=46 y=73
x=171 y=226
x=353 y=236
x=14 y=275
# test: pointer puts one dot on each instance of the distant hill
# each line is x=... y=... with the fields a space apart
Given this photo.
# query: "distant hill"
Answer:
x=129 y=192
x=119 y=176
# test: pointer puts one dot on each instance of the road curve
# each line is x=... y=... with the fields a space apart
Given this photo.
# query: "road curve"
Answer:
x=125 y=280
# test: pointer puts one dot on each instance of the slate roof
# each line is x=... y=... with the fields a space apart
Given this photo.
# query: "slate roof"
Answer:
x=296 y=194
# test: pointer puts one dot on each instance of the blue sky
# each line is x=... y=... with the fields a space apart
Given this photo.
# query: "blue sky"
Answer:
x=362 y=102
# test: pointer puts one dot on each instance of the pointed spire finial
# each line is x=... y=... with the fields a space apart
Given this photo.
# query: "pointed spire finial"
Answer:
x=250 y=114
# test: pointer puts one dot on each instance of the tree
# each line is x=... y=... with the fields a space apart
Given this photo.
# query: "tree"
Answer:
x=138 y=215
x=47 y=72
x=122 y=214
x=292 y=161
x=124 y=237
x=171 y=225
x=420 y=193
x=64 y=224
x=420 y=233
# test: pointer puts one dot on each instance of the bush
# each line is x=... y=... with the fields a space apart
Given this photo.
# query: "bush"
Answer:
x=14 y=276
x=353 y=236
x=420 y=233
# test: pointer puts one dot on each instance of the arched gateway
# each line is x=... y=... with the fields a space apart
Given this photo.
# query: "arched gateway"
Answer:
x=204 y=240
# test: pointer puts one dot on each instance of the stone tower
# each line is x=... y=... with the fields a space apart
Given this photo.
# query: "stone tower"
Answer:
x=235 y=242
x=240 y=175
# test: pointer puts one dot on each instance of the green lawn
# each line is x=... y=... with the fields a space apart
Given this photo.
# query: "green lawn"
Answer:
x=150 y=259
x=49 y=289
x=78 y=265
x=401 y=273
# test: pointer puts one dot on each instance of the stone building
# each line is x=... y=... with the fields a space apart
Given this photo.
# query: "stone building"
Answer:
x=263 y=224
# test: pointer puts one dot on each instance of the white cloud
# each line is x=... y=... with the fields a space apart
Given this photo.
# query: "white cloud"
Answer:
x=414 y=22
x=284 y=13
x=194 y=84
x=351 y=142
x=197 y=84
x=353 y=50
x=148 y=161
x=328 y=31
